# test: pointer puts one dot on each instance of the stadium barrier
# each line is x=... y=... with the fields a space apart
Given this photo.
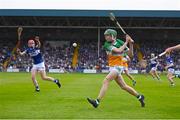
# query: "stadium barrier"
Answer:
x=56 y=71
x=133 y=71
x=105 y=71
x=12 y=70
x=84 y=71
x=89 y=71
x=177 y=72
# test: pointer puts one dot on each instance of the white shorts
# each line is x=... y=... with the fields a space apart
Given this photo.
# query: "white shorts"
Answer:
x=38 y=67
x=171 y=70
x=117 y=69
x=154 y=68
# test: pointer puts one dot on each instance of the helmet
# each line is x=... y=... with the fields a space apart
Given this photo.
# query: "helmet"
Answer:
x=110 y=32
x=152 y=55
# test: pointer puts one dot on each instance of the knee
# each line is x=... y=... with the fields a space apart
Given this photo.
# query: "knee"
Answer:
x=106 y=81
x=33 y=77
x=170 y=77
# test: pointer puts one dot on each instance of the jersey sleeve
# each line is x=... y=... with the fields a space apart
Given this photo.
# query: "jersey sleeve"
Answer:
x=121 y=44
x=26 y=51
x=37 y=48
x=108 y=47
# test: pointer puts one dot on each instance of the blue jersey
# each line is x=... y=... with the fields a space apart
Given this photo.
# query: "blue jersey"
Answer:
x=169 y=61
x=153 y=63
x=35 y=54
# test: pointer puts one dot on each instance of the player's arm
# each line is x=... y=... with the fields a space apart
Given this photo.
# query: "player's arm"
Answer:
x=121 y=49
x=131 y=49
x=37 y=42
x=21 y=53
x=128 y=58
x=157 y=64
x=177 y=47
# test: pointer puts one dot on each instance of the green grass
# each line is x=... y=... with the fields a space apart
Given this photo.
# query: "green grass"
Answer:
x=18 y=99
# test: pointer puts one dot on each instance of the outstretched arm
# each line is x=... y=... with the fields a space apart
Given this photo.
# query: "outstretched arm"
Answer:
x=177 y=47
x=20 y=53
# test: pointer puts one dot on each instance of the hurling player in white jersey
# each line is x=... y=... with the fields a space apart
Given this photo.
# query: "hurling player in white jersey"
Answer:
x=154 y=64
x=33 y=51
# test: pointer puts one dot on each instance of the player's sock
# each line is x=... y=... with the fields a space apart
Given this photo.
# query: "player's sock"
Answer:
x=141 y=99
x=57 y=82
x=158 y=78
x=134 y=82
x=97 y=101
x=37 y=89
x=172 y=84
x=94 y=103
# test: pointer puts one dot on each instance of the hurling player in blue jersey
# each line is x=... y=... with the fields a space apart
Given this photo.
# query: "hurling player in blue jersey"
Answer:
x=154 y=64
x=170 y=68
x=33 y=50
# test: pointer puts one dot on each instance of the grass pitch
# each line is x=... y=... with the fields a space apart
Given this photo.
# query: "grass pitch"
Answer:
x=19 y=100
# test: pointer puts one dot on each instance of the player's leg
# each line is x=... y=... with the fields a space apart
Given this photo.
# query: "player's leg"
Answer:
x=152 y=73
x=120 y=81
x=130 y=76
x=170 y=77
x=112 y=75
x=156 y=74
x=33 y=77
x=45 y=77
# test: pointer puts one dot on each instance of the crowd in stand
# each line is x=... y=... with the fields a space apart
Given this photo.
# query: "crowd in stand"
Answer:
x=61 y=57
